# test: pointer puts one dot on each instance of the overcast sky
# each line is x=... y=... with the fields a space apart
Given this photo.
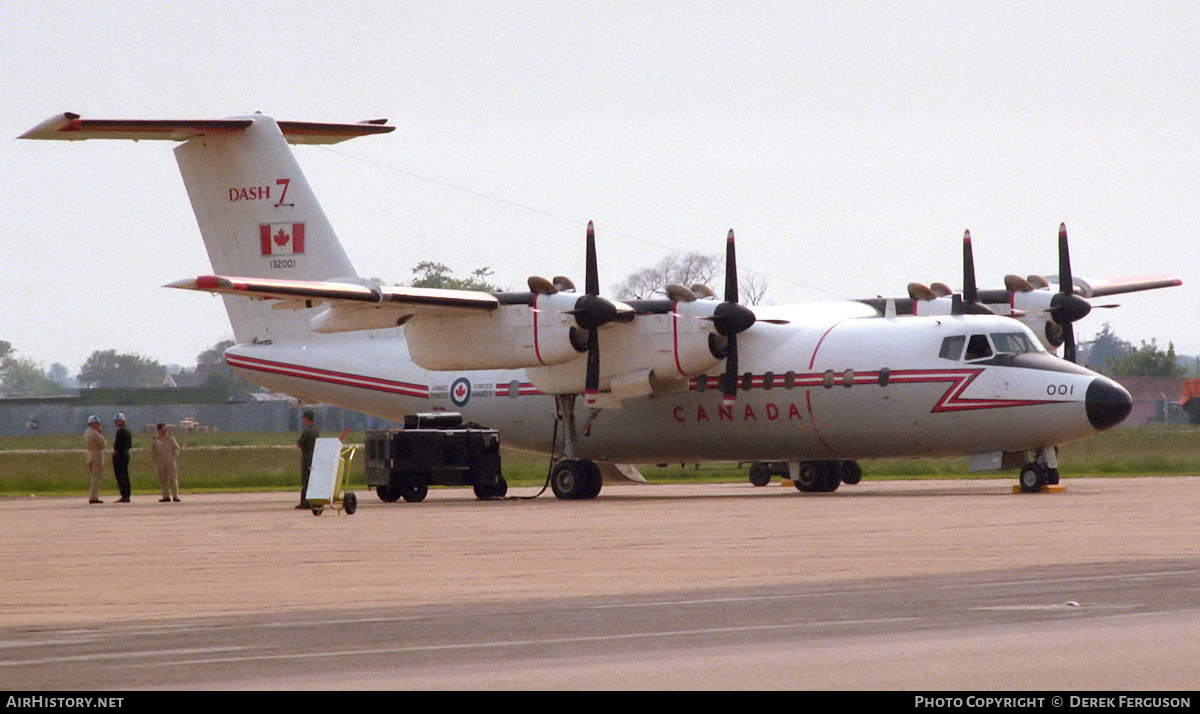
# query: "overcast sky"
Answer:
x=847 y=144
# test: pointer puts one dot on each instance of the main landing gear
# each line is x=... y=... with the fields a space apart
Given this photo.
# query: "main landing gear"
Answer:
x=573 y=478
x=808 y=476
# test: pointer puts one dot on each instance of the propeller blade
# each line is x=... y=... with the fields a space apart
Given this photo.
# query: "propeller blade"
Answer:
x=917 y=291
x=703 y=291
x=563 y=284
x=729 y=380
x=1017 y=284
x=679 y=293
x=592 y=277
x=1038 y=281
x=591 y=385
x=731 y=284
x=1066 y=283
x=970 y=292
x=541 y=286
x=1069 y=342
x=941 y=289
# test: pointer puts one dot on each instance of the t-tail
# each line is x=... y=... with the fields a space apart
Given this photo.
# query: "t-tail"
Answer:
x=256 y=212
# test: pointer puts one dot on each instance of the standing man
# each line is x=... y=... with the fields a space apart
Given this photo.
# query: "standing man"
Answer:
x=122 y=443
x=93 y=440
x=165 y=451
x=306 y=443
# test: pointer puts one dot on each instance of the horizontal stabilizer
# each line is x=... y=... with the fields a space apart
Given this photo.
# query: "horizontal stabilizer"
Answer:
x=71 y=127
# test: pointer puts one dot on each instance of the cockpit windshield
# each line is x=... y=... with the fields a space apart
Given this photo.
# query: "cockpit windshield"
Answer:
x=1013 y=343
x=982 y=346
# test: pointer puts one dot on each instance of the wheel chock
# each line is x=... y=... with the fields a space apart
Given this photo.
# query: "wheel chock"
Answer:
x=1047 y=488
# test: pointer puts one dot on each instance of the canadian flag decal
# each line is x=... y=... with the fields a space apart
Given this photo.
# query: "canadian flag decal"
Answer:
x=281 y=238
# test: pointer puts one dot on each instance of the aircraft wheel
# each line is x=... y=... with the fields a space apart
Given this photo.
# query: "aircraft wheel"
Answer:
x=317 y=510
x=414 y=491
x=1032 y=478
x=387 y=494
x=596 y=481
x=760 y=474
x=488 y=491
x=809 y=477
x=830 y=475
x=572 y=479
x=350 y=503
x=851 y=473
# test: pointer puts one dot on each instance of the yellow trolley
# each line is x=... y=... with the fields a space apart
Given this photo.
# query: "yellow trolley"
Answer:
x=330 y=469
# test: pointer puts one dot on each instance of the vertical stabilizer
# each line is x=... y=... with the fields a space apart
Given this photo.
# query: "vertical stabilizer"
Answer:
x=259 y=219
x=257 y=214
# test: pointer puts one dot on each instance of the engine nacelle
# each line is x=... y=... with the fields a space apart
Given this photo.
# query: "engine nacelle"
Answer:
x=510 y=337
x=652 y=348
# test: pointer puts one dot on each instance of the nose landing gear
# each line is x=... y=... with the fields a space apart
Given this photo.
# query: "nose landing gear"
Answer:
x=1040 y=473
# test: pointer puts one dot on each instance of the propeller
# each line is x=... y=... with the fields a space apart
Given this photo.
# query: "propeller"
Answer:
x=729 y=318
x=1066 y=307
x=591 y=312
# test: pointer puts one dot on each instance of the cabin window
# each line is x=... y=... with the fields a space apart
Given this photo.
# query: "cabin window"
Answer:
x=1012 y=343
x=978 y=347
x=789 y=380
x=952 y=348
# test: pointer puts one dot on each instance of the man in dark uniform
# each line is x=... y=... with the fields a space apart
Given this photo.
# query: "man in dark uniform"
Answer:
x=306 y=443
x=122 y=443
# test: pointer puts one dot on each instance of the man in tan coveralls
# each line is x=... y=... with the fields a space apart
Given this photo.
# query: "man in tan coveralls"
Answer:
x=93 y=439
x=165 y=451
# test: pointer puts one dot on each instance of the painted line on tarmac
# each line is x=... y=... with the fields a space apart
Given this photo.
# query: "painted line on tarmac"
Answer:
x=529 y=643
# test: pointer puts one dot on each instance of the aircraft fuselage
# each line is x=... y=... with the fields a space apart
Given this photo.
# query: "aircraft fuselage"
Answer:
x=835 y=382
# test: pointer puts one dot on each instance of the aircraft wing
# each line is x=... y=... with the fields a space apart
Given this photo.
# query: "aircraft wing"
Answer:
x=1101 y=288
x=348 y=303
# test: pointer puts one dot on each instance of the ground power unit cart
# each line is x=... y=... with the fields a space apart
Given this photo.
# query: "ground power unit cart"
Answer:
x=434 y=449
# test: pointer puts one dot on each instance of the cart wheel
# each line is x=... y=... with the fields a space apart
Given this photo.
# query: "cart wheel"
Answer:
x=316 y=510
x=349 y=504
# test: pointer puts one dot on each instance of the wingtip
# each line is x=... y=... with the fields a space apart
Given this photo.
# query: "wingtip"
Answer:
x=53 y=127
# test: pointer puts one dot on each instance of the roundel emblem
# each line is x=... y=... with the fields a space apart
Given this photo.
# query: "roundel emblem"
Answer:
x=460 y=391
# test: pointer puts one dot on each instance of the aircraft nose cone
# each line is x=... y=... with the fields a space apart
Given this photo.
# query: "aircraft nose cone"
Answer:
x=1107 y=403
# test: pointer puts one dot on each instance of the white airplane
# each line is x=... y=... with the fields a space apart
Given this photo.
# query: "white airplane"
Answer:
x=684 y=379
